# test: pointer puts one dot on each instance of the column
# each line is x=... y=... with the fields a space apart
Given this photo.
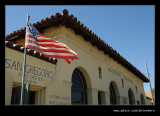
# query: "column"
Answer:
x=107 y=98
x=123 y=100
x=68 y=86
x=92 y=96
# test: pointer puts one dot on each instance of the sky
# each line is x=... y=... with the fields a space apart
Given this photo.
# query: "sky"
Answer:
x=128 y=29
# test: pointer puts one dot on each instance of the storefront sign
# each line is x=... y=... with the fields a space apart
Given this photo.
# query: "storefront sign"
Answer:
x=33 y=74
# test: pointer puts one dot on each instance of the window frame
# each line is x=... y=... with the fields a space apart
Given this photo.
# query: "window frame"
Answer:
x=39 y=93
x=82 y=89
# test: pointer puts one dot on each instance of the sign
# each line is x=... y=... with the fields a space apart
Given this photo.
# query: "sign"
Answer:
x=118 y=74
x=128 y=79
x=58 y=100
x=114 y=71
x=33 y=75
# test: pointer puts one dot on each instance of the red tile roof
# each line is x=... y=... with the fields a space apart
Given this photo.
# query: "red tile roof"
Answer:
x=70 y=21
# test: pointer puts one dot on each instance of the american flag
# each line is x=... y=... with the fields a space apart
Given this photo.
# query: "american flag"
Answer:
x=47 y=46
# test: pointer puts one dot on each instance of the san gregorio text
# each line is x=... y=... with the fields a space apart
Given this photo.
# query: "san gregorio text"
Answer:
x=34 y=70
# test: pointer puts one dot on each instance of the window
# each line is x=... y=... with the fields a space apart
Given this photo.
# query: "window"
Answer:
x=32 y=94
x=79 y=88
x=100 y=72
x=138 y=102
x=99 y=98
x=29 y=96
x=136 y=90
x=16 y=95
x=112 y=94
x=124 y=100
x=122 y=83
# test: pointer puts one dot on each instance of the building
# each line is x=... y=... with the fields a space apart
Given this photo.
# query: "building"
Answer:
x=100 y=76
x=149 y=97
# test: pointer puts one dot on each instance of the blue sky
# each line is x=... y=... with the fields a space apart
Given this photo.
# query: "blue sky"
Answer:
x=129 y=29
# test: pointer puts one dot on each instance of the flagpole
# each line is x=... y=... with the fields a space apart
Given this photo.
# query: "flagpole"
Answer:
x=150 y=84
x=24 y=70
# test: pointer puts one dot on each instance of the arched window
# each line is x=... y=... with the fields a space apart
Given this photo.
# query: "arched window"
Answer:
x=142 y=99
x=79 y=88
x=112 y=94
x=131 y=97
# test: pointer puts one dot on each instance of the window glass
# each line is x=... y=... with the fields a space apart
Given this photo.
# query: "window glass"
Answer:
x=76 y=97
x=100 y=72
x=16 y=96
x=99 y=98
x=79 y=89
x=32 y=97
x=136 y=89
x=122 y=83
x=76 y=80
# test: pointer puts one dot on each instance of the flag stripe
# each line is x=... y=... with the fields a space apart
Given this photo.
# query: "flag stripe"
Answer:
x=62 y=57
x=32 y=47
x=51 y=45
x=53 y=49
x=57 y=51
x=29 y=36
x=60 y=54
x=31 y=41
x=45 y=40
x=32 y=44
x=68 y=61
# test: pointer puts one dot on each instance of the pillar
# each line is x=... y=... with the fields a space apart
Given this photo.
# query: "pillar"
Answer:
x=92 y=96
